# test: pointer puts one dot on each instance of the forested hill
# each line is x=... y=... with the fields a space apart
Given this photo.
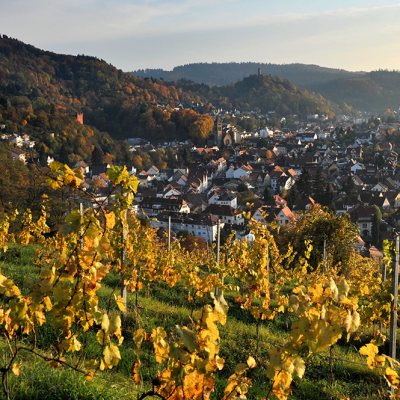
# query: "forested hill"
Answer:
x=270 y=94
x=375 y=91
x=41 y=90
x=225 y=73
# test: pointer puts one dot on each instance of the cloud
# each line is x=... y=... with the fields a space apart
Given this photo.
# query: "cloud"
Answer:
x=136 y=34
x=77 y=20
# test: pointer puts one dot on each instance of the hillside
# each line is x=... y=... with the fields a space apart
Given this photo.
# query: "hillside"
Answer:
x=225 y=73
x=270 y=94
x=376 y=91
x=41 y=90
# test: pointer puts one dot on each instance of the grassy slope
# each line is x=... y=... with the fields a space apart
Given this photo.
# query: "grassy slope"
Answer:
x=164 y=306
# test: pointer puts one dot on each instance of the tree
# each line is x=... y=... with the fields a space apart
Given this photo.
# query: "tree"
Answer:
x=319 y=187
x=269 y=154
x=201 y=129
x=304 y=183
x=327 y=197
x=191 y=242
x=349 y=187
x=241 y=187
x=376 y=225
x=263 y=142
x=42 y=157
x=318 y=224
x=63 y=155
x=97 y=183
x=267 y=193
x=187 y=157
x=97 y=155
x=293 y=196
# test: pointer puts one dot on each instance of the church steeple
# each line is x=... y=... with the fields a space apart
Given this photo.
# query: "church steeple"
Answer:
x=218 y=131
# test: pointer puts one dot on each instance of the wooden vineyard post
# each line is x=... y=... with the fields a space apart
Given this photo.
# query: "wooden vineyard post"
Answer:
x=218 y=243
x=393 y=314
x=123 y=262
x=169 y=233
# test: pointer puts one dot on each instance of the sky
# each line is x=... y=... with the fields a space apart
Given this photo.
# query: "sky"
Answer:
x=138 y=34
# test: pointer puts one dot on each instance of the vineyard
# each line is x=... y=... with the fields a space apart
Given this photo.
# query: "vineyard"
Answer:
x=104 y=308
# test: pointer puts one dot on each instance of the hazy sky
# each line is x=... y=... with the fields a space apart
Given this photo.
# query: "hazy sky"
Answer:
x=133 y=34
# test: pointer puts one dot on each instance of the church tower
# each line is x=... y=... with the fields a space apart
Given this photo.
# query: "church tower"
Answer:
x=218 y=131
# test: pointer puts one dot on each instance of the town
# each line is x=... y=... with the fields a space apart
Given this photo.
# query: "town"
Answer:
x=273 y=173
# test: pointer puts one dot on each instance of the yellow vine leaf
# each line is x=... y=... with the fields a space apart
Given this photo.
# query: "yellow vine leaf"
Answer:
x=299 y=367
x=135 y=373
x=392 y=377
x=111 y=355
x=251 y=362
x=110 y=217
x=369 y=350
x=16 y=368
x=120 y=303
x=220 y=362
x=351 y=321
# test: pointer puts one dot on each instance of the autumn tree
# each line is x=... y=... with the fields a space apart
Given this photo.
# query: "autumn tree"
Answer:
x=192 y=243
x=319 y=224
x=201 y=129
x=97 y=183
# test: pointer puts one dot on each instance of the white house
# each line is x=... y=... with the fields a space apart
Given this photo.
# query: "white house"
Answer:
x=200 y=225
x=244 y=170
x=266 y=132
x=269 y=214
x=380 y=187
x=18 y=155
x=153 y=170
x=226 y=198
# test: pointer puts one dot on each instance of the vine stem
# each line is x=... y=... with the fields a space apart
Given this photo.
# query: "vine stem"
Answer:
x=270 y=390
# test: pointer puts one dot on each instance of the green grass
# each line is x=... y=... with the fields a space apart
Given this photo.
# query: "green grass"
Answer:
x=167 y=307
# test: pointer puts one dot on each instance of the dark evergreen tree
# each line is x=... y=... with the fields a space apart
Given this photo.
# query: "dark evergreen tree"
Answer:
x=304 y=183
x=241 y=187
x=318 y=192
x=376 y=224
x=327 y=197
x=267 y=193
x=63 y=155
x=97 y=155
x=187 y=157
x=293 y=196
x=42 y=157
x=349 y=187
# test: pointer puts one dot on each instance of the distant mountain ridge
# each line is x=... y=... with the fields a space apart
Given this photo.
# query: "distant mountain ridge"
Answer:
x=376 y=91
x=373 y=91
x=225 y=73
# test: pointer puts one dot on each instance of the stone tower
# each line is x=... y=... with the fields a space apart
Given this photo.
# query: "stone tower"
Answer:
x=218 y=131
x=79 y=117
